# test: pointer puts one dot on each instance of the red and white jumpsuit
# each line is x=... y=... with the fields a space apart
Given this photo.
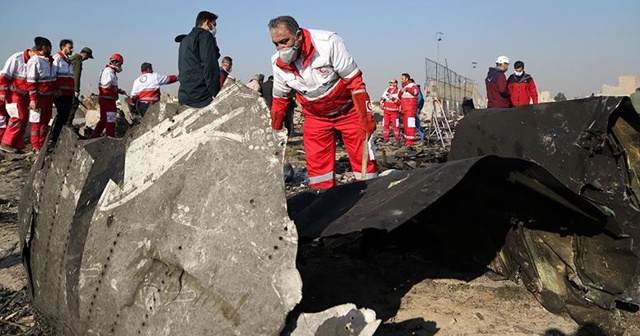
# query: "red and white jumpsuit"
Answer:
x=390 y=107
x=108 y=87
x=42 y=85
x=323 y=78
x=146 y=89
x=13 y=85
x=408 y=108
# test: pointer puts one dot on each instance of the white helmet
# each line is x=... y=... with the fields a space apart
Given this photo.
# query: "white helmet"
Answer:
x=502 y=59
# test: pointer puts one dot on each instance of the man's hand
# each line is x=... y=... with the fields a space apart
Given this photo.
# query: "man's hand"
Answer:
x=367 y=124
x=3 y=97
x=33 y=105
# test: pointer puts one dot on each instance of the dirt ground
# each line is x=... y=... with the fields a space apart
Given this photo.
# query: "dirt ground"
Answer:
x=412 y=295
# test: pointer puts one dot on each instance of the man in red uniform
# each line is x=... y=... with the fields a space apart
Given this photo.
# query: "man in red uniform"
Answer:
x=42 y=86
x=15 y=94
x=66 y=86
x=390 y=103
x=408 y=108
x=522 y=87
x=146 y=88
x=496 y=82
x=328 y=85
x=109 y=91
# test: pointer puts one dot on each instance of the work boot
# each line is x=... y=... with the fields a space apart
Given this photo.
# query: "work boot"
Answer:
x=8 y=149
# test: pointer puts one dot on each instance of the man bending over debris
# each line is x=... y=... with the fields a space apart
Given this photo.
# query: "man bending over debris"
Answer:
x=146 y=88
x=328 y=84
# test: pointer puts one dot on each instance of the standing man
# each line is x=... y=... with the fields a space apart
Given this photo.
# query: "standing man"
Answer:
x=267 y=91
x=146 y=88
x=420 y=98
x=198 y=63
x=109 y=90
x=496 y=82
x=76 y=63
x=328 y=85
x=42 y=85
x=14 y=90
x=66 y=86
x=522 y=88
x=390 y=103
x=225 y=70
x=408 y=107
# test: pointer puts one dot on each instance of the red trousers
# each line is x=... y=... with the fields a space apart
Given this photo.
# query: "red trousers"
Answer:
x=319 y=139
x=108 y=112
x=4 y=118
x=40 y=128
x=14 y=135
x=409 y=126
x=390 y=118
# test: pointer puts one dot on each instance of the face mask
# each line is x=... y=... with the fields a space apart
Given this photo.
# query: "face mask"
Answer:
x=519 y=73
x=288 y=55
x=213 y=31
x=117 y=68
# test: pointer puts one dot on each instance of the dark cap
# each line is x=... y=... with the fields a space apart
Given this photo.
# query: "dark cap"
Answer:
x=87 y=51
x=40 y=42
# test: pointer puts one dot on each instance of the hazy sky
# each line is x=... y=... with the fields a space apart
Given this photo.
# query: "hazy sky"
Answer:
x=569 y=46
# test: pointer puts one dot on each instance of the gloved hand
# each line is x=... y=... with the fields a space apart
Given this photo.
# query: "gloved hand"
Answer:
x=122 y=92
x=367 y=124
x=277 y=119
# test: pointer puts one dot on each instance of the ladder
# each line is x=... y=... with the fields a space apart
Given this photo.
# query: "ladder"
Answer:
x=439 y=125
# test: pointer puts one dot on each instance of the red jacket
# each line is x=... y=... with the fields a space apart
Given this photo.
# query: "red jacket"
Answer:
x=13 y=77
x=41 y=76
x=522 y=89
x=324 y=77
x=409 y=98
x=390 y=100
x=497 y=91
x=64 y=73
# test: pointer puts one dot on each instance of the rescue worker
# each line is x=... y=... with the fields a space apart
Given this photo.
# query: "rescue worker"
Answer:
x=76 y=64
x=15 y=94
x=420 y=98
x=66 y=86
x=328 y=85
x=109 y=90
x=390 y=103
x=522 y=87
x=225 y=70
x=146 y=88
x=198 y=63
x=408 y=107
x=42 y=86
x=496 y=82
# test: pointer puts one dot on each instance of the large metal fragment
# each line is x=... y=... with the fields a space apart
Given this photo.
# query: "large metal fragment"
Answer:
x=566 y=225
x=177 y=229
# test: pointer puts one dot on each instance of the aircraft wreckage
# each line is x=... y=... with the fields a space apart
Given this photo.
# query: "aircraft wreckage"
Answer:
x=182 y=226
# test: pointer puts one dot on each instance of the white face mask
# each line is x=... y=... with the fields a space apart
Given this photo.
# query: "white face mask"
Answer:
x=519 y=73
x=213 y=31
x=117 y=68
x=288 y=55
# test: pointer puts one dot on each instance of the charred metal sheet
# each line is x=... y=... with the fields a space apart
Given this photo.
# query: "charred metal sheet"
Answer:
x=505 y=213
x=168 y=231
x=591 y=145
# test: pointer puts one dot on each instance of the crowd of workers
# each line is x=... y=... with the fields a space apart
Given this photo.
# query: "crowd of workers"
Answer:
x=310 y=67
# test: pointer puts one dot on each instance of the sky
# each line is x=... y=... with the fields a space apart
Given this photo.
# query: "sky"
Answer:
x=568 y=46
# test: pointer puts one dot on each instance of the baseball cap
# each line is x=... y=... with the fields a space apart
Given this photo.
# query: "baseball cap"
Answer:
x=502 y=59
x=87 y=51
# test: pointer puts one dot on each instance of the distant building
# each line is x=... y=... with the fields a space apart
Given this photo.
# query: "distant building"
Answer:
x=545 y=97
x=627 y=85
